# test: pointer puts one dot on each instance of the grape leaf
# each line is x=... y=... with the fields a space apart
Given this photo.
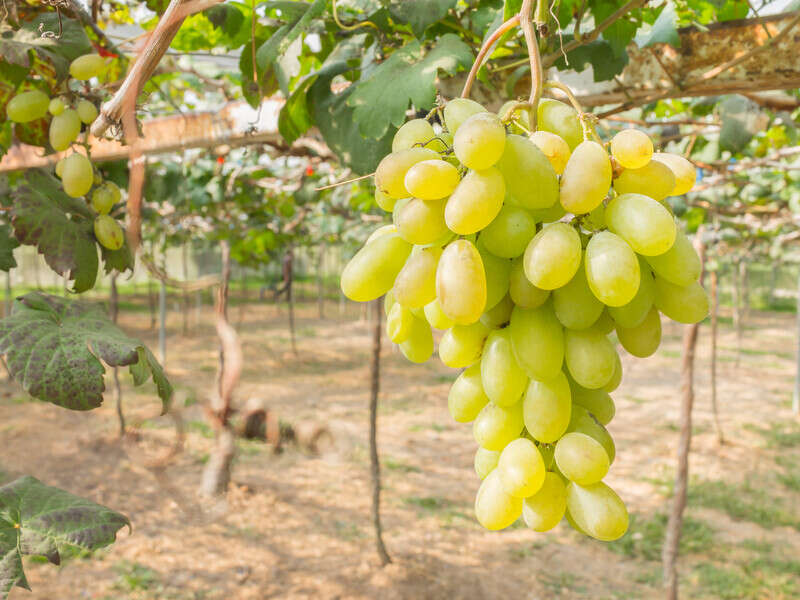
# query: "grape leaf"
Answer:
x=665 y=29
x=600 y=55
x=280 y=41
x=39 y=520
x=620 y=33
x=7 y=244
x=420 y=14
x=741 y=120
x=54 y=346
x=408 y=75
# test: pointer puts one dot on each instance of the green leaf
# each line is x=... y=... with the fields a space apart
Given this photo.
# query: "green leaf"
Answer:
x=54 y=346
x=600 y=55
x=39 y=520
x=117 y=260
x=420 y=14
x=665 y=29
x=620 y=33
x=280 y=41
x=741 y=120
x=511 y=8
x=7 y=244
x=408 y=75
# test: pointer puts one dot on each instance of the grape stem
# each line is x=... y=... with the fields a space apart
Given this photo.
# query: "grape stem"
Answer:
x=587 y=119
x=535 y=58
x=484 y=51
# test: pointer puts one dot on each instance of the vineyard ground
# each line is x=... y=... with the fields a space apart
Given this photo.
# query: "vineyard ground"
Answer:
x=297 y=526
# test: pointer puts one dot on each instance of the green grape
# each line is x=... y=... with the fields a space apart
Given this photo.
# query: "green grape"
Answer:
x=547 y=408
x=632 y=148
x=113 y=189
x=509 y=233
x=553 y=256
x=475 y=202
x=583 y=422
x=586 y=178
x=388 y=302
x=680 y=264
x=102 y=200
x=549 y=215
x=538 y=340
x=77 y=175
x=612 y=269
x=596 y=219
x=415 y=285
x=87 y=66
x=86 y=111
x=655 y=179
x=683 y=170
x=634 y=312
x=56 y=106
x=522 y=291
x=419 y=313
x=461 y=282
x=604 y=324
x=462 y=345
x=616 y=378
x=391 y=172
x=485 y=461
x=436 y=317
x=581 y=458
x=548 y=455
x=499 y=314
x=644 y=339
x=459 y=110
x=553 y=147
x=399 y=323
x=381 y=231
x=590 y=357
x=530 y=180
x=60 y=166
x=373 y=269
x=64 y=130
x=383 y=201
x=467 y=398
x=98 y=178
x=497 y=272
x=575 y=304
x=418 y=347
x=27 y=106
x=645 y=224
x=494 y=508
x=420 y=221
x=687 y=304
x=108 y=232
x=478 y=144
x=561 y=119
x=431 y=179
x=496 y=426
x=598 y=402
x=504 y=380
x=597 y=511
x=545 y=509
x=521 y=468
x=411 y=133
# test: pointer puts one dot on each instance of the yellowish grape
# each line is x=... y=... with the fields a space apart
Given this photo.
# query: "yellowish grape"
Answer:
x=382 y=230
x=391 y=172
x=549 y=215
x=459 y=110
x=644 y=339
x=108 y=232
x=102 y=200
x=632 y=148
x=538 y=340
x=634 y=312
x=504 y=380
x=494 y=508
x=415 y=285
x=581 y=458
x=411 y=133
x=583 y=422
x=64 y=130
x=479 y=141
x=372 y=271
x=420 y=221
x=462 y=345
x=598 y=402
x=612 y=269
x=680 y=264
x=499 y=314
x=597 y=511
x=418 y=347
x=645 y=224
x=575 y=304
x=547 y=408
x=431 y=179
x=687 y=304
x=461 y=282
x=530 y=179
x=436 y=317
x=86 y=111
x=545 y=509
x=521 y=468
x=616 y=378
x=485 y=461
x=385 y=202
x=509 y=233
x=553 y=256
x=87 y=66
x=497 y=272
x=27 y=106
x=56 y=106
x=586 y=178
x=467 y=397
x=77 y=175
x=475 y=202
x=683 y=170
x=554 y=148
x=399 y=322
x=604 y=324
x=561 y=119
x=654 y=179
x=590 y=357
x=496 y=426
x=522 y=291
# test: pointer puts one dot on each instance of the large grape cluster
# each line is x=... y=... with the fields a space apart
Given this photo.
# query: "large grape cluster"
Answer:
x=66 y=119
x=529 y=250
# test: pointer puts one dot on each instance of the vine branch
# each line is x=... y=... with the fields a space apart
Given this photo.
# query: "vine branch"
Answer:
x=484 y=51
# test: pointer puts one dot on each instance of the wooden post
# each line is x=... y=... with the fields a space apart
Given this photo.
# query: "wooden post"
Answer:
x=714 y=323
x=162 y=322
x=114 y=313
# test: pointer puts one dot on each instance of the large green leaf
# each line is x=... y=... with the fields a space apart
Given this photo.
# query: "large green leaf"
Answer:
x=7 y=244
x=741 y=120
x=420 y=14
x=408 y=75
x=600 y=55
x=665 y=29
x=54 y=346
x=39 y=520
x=621 y=32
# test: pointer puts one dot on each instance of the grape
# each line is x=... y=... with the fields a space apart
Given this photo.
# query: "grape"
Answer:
x=113 y=189
x=380 y=231
x=391 y=172
x=654 y=179
x=418 y=347
x=56 y=106
x=616 y=378
x=521 y=468
x=485 y=461
x=459 y=110
x=77 y=175
x=467 y=398
x=461 y=282
x=508 y=235
x=415 y=285
x=680 y=264
x=496 y=426
x=499 y=314
x=581 y=458
x=475 y=202
x=530 y=180
x=553 y=256
x=575 y=304
x=547 y=408
x=561 y=119
x=86 y=111
x=683 y=170
x=598 y=402
x=479 y=141
x=586 y=178
x=549 y=215
x=504 y=380
x=554 y=148
x=462 y=345
x=497 y=272
x=108 y=232
x=102 y=200
x=388 y=302
x=634 y=312
x=60 y=167
x=645 y=224
x=522 y=291
x=420 y=221
x=64 y=130
x=431 y=179
x=687 y=304
x=644 y=339
x=372 y=271
x=538 y=340
x=596 y=219
x=590 y=357
x=385 y=202
x=545 y=509
x=612 y=269
x=632 y=148
x=435 y=316
x=87 y=66
x=494 y=508
x=604 y=324
x=584 y=422
x=27 y=106
x=548 y=455
x=411 y=133
x=597 y=511
x=399 y=322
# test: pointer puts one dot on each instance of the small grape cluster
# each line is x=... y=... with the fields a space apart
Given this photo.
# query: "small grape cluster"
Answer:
x=77 y=174
x=528 y=249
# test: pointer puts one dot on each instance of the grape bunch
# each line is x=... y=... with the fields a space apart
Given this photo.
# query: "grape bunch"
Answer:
x=66 y=119
x=528 y=249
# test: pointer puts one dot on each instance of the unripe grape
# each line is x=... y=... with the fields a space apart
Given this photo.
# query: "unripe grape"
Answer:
x=504 y=380
x=586 y=178
x=583 y=422
x=108 y=232
x=635 y=311
x=688 y=304
x=431 y=179
x=420 y=221
x=459 y=110
x=485 y=461
x=553 y=256
x=98 y=178
x=372 y=271
x=467 y=398
x=575 y=304
x=521 y=468
x=545 y=509
x=547 y=408
x=64 y=130
x=616 y=378
x=77 y=175
x=112 y=187
x=87 y=66
x=680 y=264
x=632 y=148
x=60 y=167
x=509 y=233
x=499 y=315
x=596 y=219
x=380 y=231
x=644 y=339
x=655 y=179
x=561 y=119
x=479 y=141
x=604 y=324
x=597 y=511
x=553 y=147
x=530 y=179
x=496 y=426
x=581 y=458
x=612 y=269
x=598 y=402
x=590 y=357
x=462 y=345
x=494 y=508
x=27 y=106
x=549 y=215
x=683 y=170
x=475 y=202
x=436 y=317
x=461 y=282
x=497 y=272
x=86 y=111
x=102 y=200
x=418 y=347
x=391 y=172
x=522 y=291
x=538 y=340
x=645 y=224
x=415 y=285
x=56 y=106
x=411 y=133
x=383 y=201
